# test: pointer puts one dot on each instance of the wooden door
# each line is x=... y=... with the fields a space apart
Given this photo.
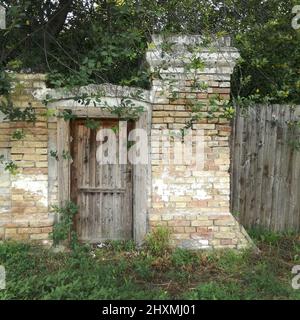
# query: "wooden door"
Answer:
x=103 y=192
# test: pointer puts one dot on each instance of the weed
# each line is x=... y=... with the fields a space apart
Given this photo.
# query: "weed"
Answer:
x=157 y=242
x=62 y=228
x=182 y=258
x=119 y=245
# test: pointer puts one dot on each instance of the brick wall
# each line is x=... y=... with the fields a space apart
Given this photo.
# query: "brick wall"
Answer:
x=192 y=200
x=24 y=210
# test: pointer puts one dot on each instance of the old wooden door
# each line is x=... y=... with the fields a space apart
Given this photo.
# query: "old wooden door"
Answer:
x=103 y=192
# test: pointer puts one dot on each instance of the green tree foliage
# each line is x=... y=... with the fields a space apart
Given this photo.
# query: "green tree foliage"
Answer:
x=95 y=41
x=270 y=51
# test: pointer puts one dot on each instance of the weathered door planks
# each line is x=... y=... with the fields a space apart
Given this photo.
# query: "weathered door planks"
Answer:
x=103 y=192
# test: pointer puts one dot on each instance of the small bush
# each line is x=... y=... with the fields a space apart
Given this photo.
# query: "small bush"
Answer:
x=142 y=267
x=120 y=245
x=269 y=237
x=182 y=257
x=158 y=241
x=230 y=260
x=62 y=228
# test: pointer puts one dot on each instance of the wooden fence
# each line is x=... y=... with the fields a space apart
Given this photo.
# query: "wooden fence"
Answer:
x=265 y=188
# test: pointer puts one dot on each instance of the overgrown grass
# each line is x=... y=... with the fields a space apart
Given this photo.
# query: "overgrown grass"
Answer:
x=120 y=271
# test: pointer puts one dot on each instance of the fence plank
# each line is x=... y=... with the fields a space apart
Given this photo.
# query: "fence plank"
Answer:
x=265 y=169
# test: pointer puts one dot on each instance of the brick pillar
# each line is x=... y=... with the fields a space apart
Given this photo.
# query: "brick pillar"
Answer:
x=27 y=217
x=192 y=200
